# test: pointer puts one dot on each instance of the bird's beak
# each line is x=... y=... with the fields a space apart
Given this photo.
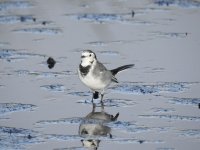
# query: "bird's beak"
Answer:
x=82 y=56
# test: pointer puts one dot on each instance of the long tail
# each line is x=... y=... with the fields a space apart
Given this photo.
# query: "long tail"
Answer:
x=115 y=71
x=115 y=118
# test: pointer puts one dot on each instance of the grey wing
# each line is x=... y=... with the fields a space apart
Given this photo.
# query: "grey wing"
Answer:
x=99 y=69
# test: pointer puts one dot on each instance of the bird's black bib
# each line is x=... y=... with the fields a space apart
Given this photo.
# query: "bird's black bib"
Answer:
x=84 y=70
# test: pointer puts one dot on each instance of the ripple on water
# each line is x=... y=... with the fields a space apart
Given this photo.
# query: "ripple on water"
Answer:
x=18 y=138
x=16 y=19
x=15 y=107
x=141 y=88
x=111 y=102
x=73 y=120
x=47 y=31
x=12 y=55
x=125 y=18
x=190 y=133
x=42 y=74
x=54 y=87
x=180 y=3
x=163 y=110
x=169 y=35
x=19 y=4
x=134 y=140
x=173 y=117
x=185 y=101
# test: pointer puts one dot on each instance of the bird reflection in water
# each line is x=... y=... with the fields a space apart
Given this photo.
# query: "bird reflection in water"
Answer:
x=94 y=126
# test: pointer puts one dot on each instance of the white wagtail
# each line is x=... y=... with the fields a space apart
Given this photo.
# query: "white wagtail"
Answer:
x=95 y=75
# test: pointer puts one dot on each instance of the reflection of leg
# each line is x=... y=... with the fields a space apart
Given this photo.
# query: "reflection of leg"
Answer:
x=92 y=97
x=102 y=106
x=93 y=107
x=102 y=97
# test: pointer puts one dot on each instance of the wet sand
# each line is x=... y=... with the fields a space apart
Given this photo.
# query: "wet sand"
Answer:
x=44 y=107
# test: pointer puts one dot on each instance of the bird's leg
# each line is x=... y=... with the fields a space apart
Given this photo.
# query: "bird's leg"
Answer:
x=95 y=95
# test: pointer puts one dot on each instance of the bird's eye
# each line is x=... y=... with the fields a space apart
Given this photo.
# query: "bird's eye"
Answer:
x=90 y=55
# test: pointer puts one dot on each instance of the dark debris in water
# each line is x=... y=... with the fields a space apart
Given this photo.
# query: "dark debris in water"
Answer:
x=141 y=88
x=17 y=138
x=180 y=3
x=15 y=107
x=48 y=31
x=54 y=87
x=51 y=62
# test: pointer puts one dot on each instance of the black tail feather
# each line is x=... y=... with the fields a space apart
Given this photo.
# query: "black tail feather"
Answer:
x=115 y=118
x=115 y=71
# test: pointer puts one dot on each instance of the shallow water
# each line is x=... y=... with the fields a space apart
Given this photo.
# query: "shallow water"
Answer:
x=154 y=106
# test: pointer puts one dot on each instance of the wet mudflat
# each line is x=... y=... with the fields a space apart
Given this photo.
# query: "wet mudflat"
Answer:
x=155 y=105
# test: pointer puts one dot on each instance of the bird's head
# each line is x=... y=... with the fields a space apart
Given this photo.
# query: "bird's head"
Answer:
x=87 y=58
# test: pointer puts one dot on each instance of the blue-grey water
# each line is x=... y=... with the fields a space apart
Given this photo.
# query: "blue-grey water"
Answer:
x=155 y=105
